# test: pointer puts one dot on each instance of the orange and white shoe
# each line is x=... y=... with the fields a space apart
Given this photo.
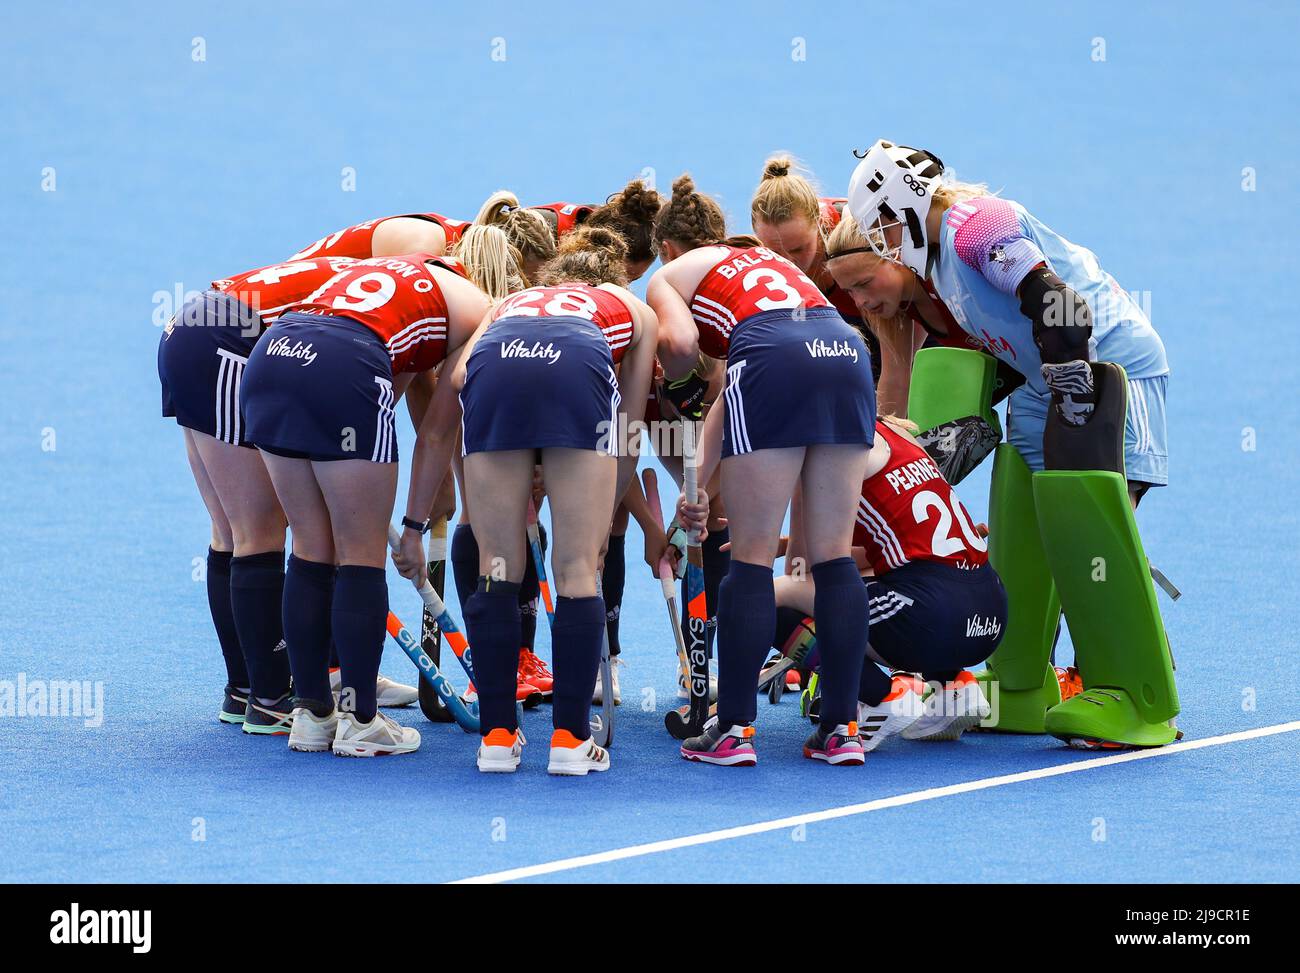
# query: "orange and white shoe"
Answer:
x=571 y=757
x=534 y=672
x=1071 y=683
x=500 y=751
x=793 y=681
x=892 y=715
x=525 y=693
x=951 y=710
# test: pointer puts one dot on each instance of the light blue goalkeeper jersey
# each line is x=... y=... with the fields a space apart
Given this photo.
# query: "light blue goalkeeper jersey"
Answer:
x=988 y=245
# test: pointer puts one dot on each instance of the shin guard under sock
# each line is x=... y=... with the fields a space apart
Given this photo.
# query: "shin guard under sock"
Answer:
x=464 y=562
x=308 y=602
x=223 y=618
x=841 y=609
x=746 y=620
x=360 y=622
x=575 y=653
x=493 y=627
x=256 y=601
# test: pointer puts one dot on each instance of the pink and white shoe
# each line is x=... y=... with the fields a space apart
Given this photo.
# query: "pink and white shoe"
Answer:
x=732 y=746
x=838 y=746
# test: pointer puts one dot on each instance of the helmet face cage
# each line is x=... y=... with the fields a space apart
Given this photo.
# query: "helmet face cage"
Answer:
x=878 y=238
x=891 y=187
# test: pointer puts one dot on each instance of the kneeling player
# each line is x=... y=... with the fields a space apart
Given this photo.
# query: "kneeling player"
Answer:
x=936 y=605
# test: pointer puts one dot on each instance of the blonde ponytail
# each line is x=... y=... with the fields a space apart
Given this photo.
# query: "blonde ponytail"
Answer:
x=490 y=260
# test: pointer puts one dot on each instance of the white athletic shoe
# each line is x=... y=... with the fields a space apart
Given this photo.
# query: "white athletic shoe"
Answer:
x=951 y=711
x=312 y=733
x=892 y=715
x=571 y=757
x=500 y=750
x=684 y=693
x=598 y=696
x=387 y=692
x=395 y=693
x=378 y=738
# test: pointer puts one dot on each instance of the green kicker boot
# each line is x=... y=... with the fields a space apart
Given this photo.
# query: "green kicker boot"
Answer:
x=1091 y=541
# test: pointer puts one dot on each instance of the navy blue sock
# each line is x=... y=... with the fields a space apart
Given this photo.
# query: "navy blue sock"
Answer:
x=528 y=623
x=612 y=581
x=223 y=618
x=841 y=609
x=492 y=626
x=256 y=597
x=360 y=622
x=874 y=684
x=579 y=625
x=716 y=564
x=746 y=620
x=308 y=601
x=464 y=562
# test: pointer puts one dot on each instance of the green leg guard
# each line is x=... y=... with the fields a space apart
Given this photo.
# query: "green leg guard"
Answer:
x=1120 y=646
x=952 y=383
x=1092 y=543
x=1020 y=683
x=948 y=384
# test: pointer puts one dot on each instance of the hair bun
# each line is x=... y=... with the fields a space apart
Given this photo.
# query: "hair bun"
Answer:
x=638 y=202
x=777 y=166
x=683 y=185
x=604 y=238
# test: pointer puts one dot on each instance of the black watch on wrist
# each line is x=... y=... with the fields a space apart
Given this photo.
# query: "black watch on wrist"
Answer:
x=421 y=526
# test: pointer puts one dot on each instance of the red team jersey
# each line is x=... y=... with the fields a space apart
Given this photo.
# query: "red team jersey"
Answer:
x=356 y=241
x=564 y=217
x=603 y=309
x=398 y=299
x=909 y=512
x=270 y=291
x=746 y=282
x=956 y=336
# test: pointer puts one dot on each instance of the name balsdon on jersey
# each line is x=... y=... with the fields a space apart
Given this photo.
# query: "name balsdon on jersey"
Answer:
x=748 y=281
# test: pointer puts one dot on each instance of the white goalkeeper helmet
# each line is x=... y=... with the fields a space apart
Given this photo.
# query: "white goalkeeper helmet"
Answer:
x=892 y=187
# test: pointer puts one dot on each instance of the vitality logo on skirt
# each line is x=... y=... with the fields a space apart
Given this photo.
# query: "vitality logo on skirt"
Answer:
x=817 y=348
x=297 y=349
x=517 y=349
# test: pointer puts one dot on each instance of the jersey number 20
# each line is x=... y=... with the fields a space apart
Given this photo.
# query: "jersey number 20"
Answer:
x=942 y=544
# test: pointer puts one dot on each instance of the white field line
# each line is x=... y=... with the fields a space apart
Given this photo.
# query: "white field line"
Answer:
x=849 y=810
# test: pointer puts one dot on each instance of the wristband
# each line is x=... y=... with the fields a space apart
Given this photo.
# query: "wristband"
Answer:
x=415 y=525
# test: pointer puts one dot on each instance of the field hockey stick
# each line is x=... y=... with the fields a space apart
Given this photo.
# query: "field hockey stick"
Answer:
x=602 y=726
x=435 y=605
x=430 y=634
x=447 y=626
x=666 y=578
x=796 y=652
x=539 y=562
x=430 y=673
x=689 y=721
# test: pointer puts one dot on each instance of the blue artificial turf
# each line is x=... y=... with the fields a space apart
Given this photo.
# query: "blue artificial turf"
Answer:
x=170 y=172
